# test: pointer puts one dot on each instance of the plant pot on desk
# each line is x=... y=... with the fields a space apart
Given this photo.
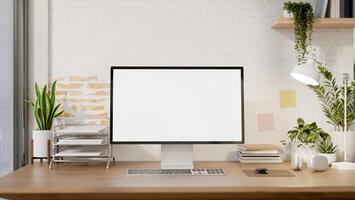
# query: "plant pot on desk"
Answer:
x=331 y=157
x=306 y=151
x=41 y=141
x=338 y=139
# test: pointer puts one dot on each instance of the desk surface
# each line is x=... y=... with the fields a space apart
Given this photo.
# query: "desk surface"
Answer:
x=88 y=181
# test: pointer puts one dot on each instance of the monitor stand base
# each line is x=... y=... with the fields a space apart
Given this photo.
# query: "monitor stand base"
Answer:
x=177 y=156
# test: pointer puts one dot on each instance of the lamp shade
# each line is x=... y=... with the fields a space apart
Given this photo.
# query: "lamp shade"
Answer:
x=306 y=73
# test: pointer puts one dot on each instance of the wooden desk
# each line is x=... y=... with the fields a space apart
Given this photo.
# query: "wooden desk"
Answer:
x=84 y=181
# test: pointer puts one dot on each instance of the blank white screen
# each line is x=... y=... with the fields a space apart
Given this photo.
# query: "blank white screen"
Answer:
x=177 y=105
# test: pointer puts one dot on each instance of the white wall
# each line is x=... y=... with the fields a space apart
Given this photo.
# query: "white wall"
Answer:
x=87 y=37
x=6 y=85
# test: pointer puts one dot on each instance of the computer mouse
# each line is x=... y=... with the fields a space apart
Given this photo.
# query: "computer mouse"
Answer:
x=261 y=171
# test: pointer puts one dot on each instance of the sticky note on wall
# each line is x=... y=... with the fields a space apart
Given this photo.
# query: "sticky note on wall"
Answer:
x=287 y=98
x=265 y=122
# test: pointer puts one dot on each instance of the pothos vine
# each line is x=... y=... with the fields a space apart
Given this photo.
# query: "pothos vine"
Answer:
x=303 y=20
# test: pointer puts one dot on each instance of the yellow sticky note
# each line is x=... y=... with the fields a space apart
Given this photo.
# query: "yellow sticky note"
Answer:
x=287 y=98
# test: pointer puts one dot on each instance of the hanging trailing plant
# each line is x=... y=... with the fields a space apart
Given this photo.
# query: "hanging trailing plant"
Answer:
x=303 y=20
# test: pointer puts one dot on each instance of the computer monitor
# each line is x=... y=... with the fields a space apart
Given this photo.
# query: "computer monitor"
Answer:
x=177 y=107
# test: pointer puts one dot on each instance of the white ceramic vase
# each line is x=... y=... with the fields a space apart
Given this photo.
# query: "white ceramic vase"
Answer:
x=296 y=161
x=306 y=151
x=40 y=142
x=337 y=138
x=331 y=157
x=286 y=152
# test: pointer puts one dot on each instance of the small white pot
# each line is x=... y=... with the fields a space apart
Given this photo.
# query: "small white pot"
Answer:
x=40 y=142
x=296 y=161
x=331 y=157
x=337 y=138
x=286 y=14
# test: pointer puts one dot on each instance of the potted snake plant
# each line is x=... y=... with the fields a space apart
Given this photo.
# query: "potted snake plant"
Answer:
x=45 y=110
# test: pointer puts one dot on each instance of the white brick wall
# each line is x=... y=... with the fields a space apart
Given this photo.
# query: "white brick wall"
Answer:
x=88 y=36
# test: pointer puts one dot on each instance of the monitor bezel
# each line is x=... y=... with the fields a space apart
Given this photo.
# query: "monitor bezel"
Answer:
x=169 y=68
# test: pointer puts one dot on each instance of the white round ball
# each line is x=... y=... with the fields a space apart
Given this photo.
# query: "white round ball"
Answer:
x=318 y=163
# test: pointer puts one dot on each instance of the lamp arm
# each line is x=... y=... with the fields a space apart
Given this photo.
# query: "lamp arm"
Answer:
x=345 y=76
x=323 y=55
x=314 y=55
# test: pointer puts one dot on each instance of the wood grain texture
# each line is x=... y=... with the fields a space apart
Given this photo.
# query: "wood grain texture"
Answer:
x=318 y=23
x=93 y=181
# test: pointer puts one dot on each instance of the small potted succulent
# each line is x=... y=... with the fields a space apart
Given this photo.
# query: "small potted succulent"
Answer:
x=327 y=149
x=45 y=110
x=306 y=136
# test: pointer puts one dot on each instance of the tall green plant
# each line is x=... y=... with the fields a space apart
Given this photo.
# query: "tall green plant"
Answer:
x=45 y=108
x=331 y=97
x=303 y=20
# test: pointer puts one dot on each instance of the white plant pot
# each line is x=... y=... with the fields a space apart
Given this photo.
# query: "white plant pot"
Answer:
x=296 y=161
x=337 y=138
x=40 y=142
x=331 y=157
x=286 y=14
x=306 y=152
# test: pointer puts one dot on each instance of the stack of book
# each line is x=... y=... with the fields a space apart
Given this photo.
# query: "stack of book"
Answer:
x=258 y=153
x=334 y=8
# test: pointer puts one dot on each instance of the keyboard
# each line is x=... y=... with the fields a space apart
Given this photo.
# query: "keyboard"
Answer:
x=175 y=172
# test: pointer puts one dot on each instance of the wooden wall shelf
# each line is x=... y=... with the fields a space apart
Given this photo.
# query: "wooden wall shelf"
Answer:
x=318 y=23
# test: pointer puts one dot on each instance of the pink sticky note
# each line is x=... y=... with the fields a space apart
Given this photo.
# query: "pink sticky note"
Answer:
x=265 y=122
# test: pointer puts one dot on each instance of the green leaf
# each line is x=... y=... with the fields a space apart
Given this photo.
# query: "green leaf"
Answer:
x=37 y=117
x=48 y=112
x=53 y=93
x=44 y=106
x=300 y=121
x=37 y=91
x=52 y=116
x=41 y=119
x=58 y=114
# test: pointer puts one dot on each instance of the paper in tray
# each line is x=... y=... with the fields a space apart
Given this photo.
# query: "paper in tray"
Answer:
x=83 y=129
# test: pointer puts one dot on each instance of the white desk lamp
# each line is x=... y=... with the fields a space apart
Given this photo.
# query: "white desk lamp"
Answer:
x=308 y=74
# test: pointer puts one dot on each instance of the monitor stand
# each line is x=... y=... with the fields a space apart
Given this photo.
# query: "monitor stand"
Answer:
x=176 y=156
